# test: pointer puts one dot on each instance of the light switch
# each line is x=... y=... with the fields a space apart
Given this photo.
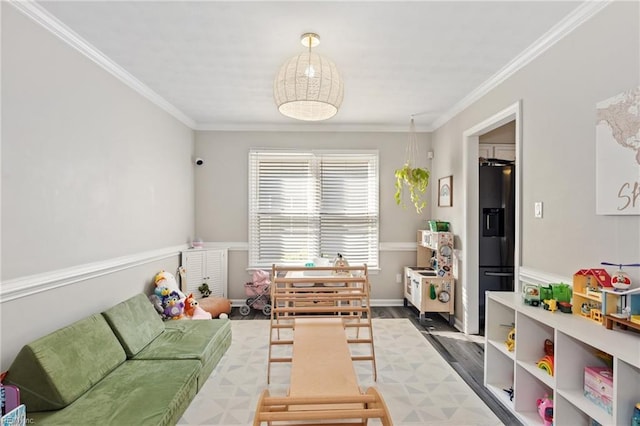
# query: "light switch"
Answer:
x=537 y=209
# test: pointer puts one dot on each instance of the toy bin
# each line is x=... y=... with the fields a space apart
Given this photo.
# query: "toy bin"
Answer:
x=598 y=387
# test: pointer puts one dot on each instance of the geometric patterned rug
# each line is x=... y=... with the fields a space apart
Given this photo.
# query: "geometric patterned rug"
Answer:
x=417 y=384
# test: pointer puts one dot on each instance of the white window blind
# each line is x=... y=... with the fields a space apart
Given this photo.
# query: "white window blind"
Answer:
x=306 y=204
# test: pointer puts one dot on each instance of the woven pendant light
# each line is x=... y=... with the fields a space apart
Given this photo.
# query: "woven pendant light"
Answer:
x=308 y=86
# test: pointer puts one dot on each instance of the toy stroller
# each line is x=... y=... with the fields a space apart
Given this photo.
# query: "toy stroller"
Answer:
x=259 y=294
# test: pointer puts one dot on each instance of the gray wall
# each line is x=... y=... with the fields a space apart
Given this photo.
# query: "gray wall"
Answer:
x=559 y=91
x=222 y=209
x=90 y=171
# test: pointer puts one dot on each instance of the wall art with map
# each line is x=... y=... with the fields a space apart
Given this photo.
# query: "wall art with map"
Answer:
x=618 y=154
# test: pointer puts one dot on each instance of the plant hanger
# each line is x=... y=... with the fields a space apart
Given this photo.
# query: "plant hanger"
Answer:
x=415 y=179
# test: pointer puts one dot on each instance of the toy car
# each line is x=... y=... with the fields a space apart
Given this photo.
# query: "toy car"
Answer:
x=531 y=295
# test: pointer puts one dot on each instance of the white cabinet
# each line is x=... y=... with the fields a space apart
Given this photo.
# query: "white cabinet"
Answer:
x=576 y=345
x=499 y=151
x=205 y=266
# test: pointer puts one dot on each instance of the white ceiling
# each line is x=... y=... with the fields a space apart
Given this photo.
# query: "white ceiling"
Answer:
x=212 y=63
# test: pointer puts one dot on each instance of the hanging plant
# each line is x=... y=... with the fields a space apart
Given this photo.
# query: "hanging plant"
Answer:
x=415 y=179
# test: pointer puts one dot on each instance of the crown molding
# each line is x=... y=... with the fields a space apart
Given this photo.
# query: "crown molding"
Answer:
x=580 y=15
x=45 y=19
x=310 y=127
x=41 y=16
x=33 y=284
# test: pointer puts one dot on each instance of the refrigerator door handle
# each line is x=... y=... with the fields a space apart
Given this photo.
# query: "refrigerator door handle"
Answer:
x=498 y=274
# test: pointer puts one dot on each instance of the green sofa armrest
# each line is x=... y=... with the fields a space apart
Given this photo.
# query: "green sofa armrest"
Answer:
x=55 y=370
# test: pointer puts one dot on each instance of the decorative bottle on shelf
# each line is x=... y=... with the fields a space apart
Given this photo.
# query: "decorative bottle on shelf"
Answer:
x=635 y=420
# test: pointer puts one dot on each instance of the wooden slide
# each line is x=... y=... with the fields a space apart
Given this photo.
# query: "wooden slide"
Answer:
x=323 y=384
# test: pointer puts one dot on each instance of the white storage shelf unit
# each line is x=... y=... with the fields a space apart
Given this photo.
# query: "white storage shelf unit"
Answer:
x=576 y=341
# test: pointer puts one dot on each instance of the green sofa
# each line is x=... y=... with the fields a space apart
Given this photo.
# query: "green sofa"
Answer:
x=124 y=366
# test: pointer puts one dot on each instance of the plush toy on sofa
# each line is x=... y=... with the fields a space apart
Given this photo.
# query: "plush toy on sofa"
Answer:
x=166 y=279
x=173 y=306
x=193 y=310
x=167 y=298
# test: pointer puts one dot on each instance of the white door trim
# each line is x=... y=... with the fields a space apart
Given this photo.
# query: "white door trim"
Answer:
x=470 y=262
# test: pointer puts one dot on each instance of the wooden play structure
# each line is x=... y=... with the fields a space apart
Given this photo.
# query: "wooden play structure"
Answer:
x=327 y=316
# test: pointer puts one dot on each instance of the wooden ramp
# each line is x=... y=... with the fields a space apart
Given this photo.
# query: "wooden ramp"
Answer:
x=321 y=292
x=323 y=385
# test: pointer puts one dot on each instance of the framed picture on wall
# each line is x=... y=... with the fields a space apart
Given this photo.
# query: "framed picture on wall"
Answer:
x=445 y=191
x=618 y=154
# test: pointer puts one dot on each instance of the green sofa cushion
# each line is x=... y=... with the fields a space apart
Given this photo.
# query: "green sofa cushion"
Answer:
x=55 y=370
x=202 y=340
x=136 y=393
x=135 y=322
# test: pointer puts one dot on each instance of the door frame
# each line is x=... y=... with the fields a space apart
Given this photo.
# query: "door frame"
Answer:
x=470 y=237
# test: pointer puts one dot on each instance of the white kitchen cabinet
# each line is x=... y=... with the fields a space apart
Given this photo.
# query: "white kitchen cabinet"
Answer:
x=205 y=266
x=576 y=345
x=499 y=151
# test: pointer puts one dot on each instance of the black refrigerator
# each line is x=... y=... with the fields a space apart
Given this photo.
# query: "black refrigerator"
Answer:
x=497 y=229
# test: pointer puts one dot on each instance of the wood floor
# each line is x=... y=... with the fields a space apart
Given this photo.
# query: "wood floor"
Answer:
x=464 y=353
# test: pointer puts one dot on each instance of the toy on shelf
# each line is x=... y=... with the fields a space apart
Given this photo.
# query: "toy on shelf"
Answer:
x=598 y=386
x=565 y=307
x=620 y=279
x=591 y=297
x=546 y=362
x=551 y=305
x=511 y=340
x=545 y=410
x=626 y=312
x=558 y=291
x=510 y=393
x=531 y=295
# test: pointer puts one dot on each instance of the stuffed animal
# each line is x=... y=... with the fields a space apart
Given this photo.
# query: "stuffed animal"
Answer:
x=165 y=279
x=193 y=310
x=190 y=304
x=156 y=301
x=162 y=291
x=545 y=410
x=173 y=306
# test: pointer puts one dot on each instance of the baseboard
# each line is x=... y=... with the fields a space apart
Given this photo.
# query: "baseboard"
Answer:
x=33 y=284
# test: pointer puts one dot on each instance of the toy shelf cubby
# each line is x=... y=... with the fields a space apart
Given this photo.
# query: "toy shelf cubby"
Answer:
x=498 y=360
x=576 y=345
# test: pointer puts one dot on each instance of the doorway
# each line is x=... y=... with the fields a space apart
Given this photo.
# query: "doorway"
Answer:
x=470 y=239
x=496 y=213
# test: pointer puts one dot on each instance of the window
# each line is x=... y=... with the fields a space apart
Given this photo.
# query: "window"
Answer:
x=306 y=204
